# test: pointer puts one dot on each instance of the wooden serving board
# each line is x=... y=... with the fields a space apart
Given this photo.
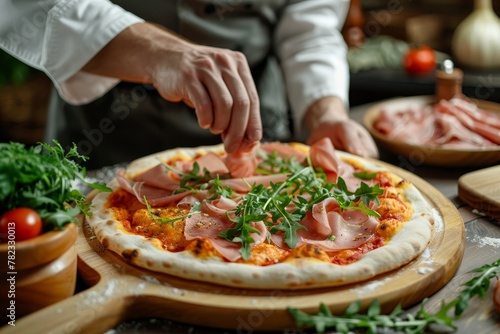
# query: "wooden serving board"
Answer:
x=120 y=291
x=481 y=190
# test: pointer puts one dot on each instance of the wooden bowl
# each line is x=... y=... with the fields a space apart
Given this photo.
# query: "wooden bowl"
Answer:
x=40 y=271
x=428 y=155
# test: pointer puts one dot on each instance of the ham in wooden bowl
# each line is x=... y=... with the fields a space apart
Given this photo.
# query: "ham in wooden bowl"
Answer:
x=454 y=133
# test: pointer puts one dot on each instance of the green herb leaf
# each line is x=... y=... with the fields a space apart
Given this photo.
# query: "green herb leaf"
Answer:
x=275 y=199
x=40 y=177
x=195 y=209
x=269 y=204
x=374 y=322
x=364 y=175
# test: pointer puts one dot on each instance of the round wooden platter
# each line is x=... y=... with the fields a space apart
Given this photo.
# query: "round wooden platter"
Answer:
x=119 y=291
x=429 y=155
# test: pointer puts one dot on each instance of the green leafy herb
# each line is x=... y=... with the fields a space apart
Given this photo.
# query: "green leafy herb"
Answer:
x=303 y=187
x=247 y=212
x=364 y=193
x=273 y=201
x=194 y=180
x=374 y=321
x=40 y=177
x=217 y=189
x=195 y=209
x=274 y=164
x=477 y=286
x=364 y=175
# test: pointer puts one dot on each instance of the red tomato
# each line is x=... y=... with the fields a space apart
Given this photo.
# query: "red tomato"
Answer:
x=20 y=224
x=419 y=61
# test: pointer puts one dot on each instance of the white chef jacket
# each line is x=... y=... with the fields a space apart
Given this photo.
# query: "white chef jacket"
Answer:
x=60 y=36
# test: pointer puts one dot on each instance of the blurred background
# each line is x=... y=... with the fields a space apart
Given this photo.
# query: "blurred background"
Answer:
x=392 y=26
x=378 y=32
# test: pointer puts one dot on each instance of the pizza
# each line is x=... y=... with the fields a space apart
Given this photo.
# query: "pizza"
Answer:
x=282 y=216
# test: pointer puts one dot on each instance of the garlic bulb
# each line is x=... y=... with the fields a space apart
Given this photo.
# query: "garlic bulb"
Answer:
x=476 y=41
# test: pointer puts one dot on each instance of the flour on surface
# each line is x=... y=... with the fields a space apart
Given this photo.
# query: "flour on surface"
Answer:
x=362 y=290
x=438 y=221
x=485 y=241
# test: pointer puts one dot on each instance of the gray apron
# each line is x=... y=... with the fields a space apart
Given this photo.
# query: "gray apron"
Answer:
x=132 y=120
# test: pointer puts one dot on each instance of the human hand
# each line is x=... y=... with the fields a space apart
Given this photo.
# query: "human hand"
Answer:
x=328 y=118
x=346 y=135
x=218 y=84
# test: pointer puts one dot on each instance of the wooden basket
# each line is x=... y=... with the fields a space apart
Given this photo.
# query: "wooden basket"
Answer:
x=40 y=272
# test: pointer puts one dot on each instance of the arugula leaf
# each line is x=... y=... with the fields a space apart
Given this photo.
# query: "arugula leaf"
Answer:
x=195 y=209
x=374 y=321
x=216 y=189
x=269 y=204
x=477 y=286
x=364 y=175
x=273 y=163
x=275 y=199
x=40 y=177
x=364 y=193
x=245 y=213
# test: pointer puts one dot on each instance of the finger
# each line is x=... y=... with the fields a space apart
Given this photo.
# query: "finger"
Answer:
x=199 y=99
x=370 y=146
x=245 y=128
x=359 y=142
x=253 y=131
x=221 y=100
x=239 y=113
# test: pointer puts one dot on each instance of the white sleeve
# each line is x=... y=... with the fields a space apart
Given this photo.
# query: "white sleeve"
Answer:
x=312 y=53
x=59 y=37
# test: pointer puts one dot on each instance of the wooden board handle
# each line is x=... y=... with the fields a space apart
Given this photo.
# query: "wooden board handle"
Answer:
x=91 y=311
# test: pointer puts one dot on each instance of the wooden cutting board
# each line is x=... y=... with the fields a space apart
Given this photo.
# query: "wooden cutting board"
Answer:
x=120 y=291
x=481 y=190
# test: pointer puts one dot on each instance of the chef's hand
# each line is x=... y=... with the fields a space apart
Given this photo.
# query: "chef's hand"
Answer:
x=327 y=117
x=217 y=83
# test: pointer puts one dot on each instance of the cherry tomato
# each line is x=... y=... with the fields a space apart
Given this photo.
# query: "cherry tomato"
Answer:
x=419 y=61
x=20 y=224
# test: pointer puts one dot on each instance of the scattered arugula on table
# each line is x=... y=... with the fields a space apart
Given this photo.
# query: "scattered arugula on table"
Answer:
x=40 y=177
x=373 y=321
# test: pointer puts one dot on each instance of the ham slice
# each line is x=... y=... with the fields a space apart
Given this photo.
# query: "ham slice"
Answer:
x=212 y=220
x=411 y=126
x=323 y=156
x=457 y=123
x=154 y=196
x=242 y=164
x=332 y=230
x=477 y=114
x=478 y=126
x=231 y=250
x=210 y=161
x=158 y=177
x=283 y=151
x=455 y=134
x=244 y=185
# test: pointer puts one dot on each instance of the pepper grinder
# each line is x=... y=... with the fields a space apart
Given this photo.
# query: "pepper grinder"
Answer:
x=448 y=81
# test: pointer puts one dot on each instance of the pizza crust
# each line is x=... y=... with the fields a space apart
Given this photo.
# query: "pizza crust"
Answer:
x=294 y=273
